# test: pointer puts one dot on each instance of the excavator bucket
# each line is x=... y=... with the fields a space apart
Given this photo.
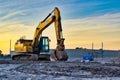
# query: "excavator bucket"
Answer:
x=58 y=56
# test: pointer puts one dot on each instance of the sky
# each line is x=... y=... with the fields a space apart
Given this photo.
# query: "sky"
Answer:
x=83 y=21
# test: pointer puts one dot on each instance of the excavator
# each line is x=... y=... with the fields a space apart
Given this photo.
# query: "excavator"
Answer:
x=38 y=48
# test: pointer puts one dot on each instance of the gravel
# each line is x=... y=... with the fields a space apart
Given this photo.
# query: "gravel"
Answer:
x=74 y=70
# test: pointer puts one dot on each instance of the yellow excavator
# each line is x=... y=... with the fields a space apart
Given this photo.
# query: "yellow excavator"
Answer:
x=38 y=48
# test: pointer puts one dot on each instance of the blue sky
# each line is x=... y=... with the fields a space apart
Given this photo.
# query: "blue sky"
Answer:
x=83 y=21
x=18 y=9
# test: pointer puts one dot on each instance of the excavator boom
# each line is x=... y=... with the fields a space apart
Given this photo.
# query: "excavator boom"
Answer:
x=56 y=18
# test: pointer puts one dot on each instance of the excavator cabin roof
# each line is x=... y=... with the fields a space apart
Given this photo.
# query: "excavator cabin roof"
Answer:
x=23 y=41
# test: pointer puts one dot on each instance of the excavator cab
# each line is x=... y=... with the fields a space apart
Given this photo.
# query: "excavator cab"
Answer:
x=44 y=44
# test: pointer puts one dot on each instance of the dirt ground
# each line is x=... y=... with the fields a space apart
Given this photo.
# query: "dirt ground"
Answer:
x=69 y=70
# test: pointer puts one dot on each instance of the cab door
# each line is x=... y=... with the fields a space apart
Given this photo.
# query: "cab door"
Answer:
x=44 y=44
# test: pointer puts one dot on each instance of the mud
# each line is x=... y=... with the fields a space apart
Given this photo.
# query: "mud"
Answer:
x=37 y=70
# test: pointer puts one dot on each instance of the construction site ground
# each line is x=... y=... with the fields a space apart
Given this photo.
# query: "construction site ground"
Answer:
x=68 y=70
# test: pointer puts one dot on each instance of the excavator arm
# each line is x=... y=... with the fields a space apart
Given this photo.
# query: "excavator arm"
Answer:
x=56 y=18
x=38 y=33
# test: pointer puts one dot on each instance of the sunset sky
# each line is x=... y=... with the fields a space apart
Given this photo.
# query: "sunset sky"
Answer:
x=83 y=22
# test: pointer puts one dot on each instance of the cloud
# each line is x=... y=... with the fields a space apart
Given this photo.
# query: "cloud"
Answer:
x=96 y=29
x=106 y=22
x=14 y=28
x=13 y=14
